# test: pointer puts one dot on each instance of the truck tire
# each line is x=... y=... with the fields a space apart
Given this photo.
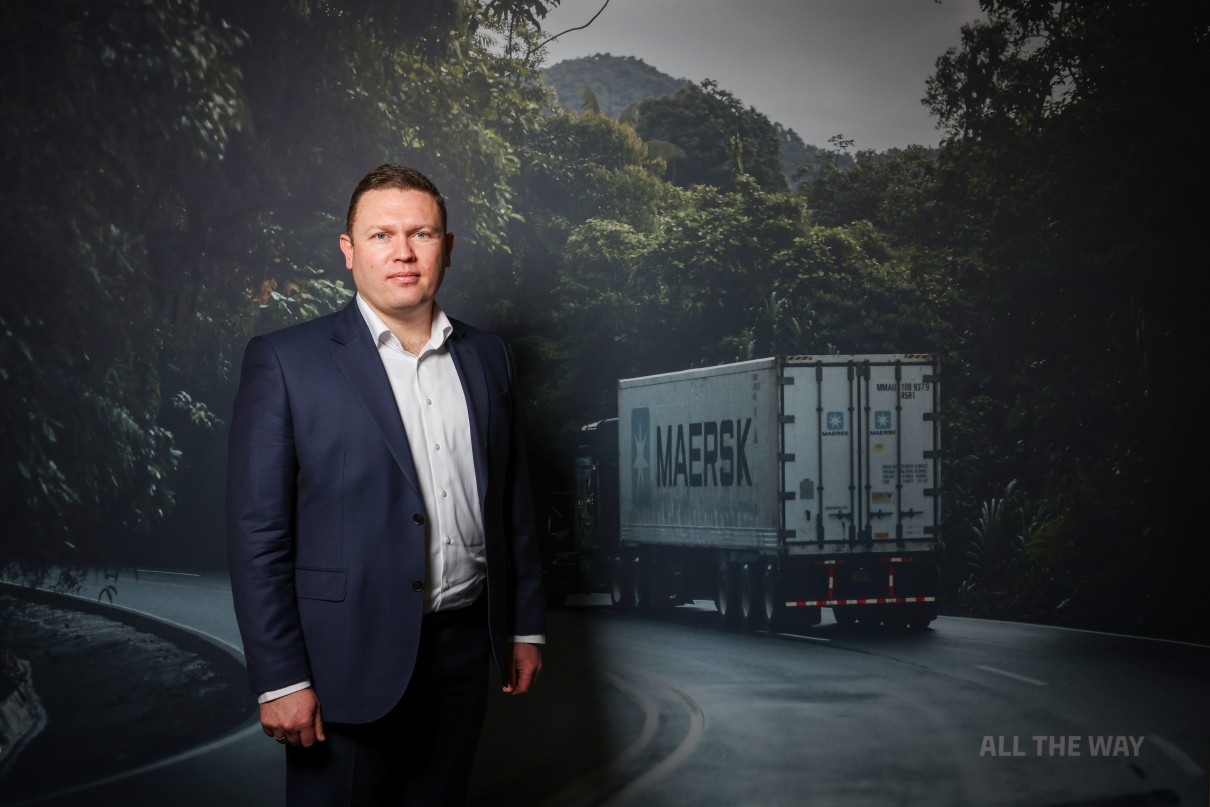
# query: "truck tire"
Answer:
x=845 y=615
x=726 y=595
x=621 y=586
x=751 y=598
x=921 y=615
x=640 y=577
x=772 y=600
x=894 y=618
x=587 y=575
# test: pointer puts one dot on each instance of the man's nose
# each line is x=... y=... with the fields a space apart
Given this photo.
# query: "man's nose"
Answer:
x=404 y=251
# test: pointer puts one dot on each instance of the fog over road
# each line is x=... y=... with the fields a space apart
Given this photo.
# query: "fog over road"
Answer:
x=671 y=709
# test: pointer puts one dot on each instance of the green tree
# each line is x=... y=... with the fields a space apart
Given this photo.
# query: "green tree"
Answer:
x=106 y=111
x=1076 y=180
x=720 y=136
x=582 y=166
x=176 y=174
x=580 y=174
x=892 y=190
x=718 y=255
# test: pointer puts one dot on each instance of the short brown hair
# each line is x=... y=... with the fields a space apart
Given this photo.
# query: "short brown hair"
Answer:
x=398 y=177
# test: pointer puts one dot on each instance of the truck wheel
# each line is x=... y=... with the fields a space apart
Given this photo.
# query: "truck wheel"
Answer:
x=771 y=599
x=640 y=577
x=726 y=597
x=621 y=586
x=894 y=618
x=586 y=575
x=845 y=615
x=751 y=600
x=920 y=616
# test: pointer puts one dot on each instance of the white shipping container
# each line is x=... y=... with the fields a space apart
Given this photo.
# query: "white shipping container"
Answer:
x=701 y=447
x=798 y=455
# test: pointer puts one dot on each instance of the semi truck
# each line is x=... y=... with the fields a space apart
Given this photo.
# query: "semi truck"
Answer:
x=776 y=487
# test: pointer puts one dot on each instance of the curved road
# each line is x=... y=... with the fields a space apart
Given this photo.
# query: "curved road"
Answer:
x=673 y=710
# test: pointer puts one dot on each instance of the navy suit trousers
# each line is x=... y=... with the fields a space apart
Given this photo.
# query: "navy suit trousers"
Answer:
x=422 y=751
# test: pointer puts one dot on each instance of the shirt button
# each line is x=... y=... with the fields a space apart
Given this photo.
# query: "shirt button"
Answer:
x=444 y=494
x=448 y=540
x=418 y=585
x=436 y=446
x=417 y=519
x=428 y=401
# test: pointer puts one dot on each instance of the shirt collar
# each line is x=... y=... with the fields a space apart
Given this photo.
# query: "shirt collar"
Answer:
x=381 y=333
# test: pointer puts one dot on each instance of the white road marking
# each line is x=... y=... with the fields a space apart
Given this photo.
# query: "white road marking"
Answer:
x=1182 y=760
x=651 y=721
x=238 y=736
x=1014 y=676
x=697 y=724
x=1076 y=630
x=159 y=571
x=801 y=636
x=574 y=792
x=235 y=650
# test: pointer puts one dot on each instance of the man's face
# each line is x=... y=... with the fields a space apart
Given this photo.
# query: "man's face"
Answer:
x=397 y=251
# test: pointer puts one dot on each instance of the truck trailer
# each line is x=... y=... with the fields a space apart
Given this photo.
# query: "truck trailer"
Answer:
x=775 y=487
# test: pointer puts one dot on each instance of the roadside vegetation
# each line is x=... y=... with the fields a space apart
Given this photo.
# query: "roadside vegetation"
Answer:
x=175 y=176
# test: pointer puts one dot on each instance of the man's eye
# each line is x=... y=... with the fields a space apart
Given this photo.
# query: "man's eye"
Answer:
x=424 y=235
x=379 y=236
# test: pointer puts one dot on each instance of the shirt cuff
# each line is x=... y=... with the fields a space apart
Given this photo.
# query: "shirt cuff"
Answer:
x=533 y=638
x=274 y=694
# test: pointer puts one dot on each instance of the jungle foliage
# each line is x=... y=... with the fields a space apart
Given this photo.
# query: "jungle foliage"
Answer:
x=176 y=172
x=620 y=84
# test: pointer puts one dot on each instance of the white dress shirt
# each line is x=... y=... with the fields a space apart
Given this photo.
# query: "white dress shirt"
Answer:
x=432 y=404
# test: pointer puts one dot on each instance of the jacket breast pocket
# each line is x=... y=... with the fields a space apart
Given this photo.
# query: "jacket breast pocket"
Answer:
x=499 y=408
x=320 y=584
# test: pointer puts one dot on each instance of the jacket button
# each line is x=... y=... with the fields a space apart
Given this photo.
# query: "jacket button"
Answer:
x=417 y=519
x=417 y=586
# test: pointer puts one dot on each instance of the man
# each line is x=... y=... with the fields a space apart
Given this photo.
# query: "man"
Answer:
x=379 y=521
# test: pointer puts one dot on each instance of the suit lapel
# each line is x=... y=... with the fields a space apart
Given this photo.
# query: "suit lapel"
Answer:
x=474 y=385
x=357 y=357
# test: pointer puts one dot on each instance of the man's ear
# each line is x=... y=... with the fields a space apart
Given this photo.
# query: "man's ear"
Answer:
x=449 y=248
x=346 y=246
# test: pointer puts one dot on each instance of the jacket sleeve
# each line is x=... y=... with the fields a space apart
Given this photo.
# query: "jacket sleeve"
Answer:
x=528 y=606
x=262 y=469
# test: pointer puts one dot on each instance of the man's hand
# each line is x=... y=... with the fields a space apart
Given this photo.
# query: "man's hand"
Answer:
x=293 y=718
x=524 y=667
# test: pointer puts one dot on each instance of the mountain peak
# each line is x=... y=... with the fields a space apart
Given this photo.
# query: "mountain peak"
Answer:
x=617 y=81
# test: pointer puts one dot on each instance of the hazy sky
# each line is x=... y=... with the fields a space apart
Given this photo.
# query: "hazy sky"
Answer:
x=820 y=67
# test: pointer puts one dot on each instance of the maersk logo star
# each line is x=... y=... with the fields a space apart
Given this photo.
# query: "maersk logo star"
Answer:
x=640 y=456
x=641 y=464
x=882 y=420
x=835 y=421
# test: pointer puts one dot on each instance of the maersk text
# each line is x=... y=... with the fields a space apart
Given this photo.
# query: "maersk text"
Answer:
x=712 y=456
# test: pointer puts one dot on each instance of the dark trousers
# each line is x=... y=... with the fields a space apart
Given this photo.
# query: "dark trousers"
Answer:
x=422 y=751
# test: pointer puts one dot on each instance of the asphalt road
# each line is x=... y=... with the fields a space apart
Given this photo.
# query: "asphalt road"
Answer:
x=674 y=710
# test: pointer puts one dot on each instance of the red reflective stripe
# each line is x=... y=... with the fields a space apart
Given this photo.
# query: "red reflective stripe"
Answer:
x=878 y=601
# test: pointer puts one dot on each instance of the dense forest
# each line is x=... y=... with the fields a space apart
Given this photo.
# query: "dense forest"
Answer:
x=618 y=85
x=175 y=175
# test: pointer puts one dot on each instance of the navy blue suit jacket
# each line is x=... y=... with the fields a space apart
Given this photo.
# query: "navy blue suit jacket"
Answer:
x=325 y=524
